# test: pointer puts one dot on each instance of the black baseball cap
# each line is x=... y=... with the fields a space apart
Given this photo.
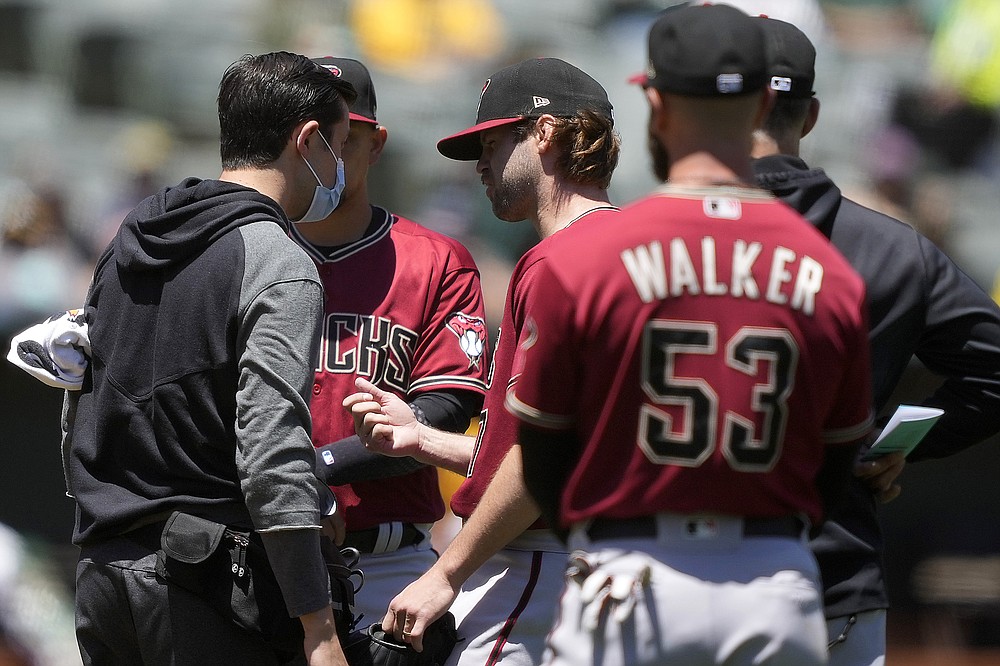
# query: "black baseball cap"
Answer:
x=706 y=50
x=355 y=73
x=792 y=57
x=528 y=89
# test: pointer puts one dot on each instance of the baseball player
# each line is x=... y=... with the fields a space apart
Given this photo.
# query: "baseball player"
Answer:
x=711 y=358
x=503 y=569
x=414 y=327
x=920 y=303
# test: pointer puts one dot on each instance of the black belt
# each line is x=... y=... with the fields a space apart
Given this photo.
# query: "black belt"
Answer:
x=645 y=527
x=367 y=541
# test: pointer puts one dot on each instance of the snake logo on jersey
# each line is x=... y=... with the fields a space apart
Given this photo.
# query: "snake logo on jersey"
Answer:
x=471 y=333
x=369 y=346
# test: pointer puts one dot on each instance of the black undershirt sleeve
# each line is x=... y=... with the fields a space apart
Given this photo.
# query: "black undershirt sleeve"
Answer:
x=349 y=461
x=548 y=457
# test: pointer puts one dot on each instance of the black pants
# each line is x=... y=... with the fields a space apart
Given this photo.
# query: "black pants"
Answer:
x=126 y=616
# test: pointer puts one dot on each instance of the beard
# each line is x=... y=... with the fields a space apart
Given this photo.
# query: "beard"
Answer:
x=659 y=156
x=512 y=193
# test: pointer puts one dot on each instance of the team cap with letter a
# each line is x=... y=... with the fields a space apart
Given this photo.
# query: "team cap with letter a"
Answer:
x=528 y=89
x=792 y=57
x=355 y=73
x=706 y=50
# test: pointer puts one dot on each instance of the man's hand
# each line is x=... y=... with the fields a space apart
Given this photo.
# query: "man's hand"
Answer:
x=384 y=423
x=880 y=475
x=331 y=522
x=334 y=527
x=421 y=603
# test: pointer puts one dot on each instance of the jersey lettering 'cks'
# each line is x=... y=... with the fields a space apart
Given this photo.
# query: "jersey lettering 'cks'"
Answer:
x=404 y=310
x=497 y=428
x=705 y=346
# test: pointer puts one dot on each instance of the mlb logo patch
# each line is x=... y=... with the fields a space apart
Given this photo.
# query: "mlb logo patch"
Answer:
x=724 y=208
x=701 y=528
x=781 y=83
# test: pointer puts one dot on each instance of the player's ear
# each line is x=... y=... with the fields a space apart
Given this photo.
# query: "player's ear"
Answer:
x=545 y=130
x=811 y=117
x=378 y=139
x=657 y=109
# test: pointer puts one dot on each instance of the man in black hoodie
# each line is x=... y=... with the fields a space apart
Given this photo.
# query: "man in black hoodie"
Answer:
x=920 y=303
x=203 y=320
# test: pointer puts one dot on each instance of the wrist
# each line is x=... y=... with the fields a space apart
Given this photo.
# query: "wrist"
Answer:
x=450 y=571
x=319 y=623
x=424 y=443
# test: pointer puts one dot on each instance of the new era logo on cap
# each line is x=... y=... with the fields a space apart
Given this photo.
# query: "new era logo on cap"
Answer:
x=540 y=101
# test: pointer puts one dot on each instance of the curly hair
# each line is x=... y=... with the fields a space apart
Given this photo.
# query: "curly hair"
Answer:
x=589 y=143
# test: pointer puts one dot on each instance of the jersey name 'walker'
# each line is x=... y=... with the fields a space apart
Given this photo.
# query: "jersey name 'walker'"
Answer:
x=418 y=327
x=707 y=349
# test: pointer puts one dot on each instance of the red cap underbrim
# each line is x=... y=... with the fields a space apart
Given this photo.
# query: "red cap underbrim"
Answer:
x=640 y=79
x=465 y=145
x=362 y=119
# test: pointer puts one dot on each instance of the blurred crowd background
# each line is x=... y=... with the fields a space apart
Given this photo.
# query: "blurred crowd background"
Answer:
x=102 y=102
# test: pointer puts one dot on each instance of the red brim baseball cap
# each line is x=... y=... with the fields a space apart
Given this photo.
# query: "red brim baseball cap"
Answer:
x=528 y=89
x=465 y=145
x=640 y=79
x=354 y=72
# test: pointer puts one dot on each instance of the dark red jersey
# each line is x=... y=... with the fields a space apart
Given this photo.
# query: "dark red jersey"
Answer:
x=705 y=347
x=404 y=309
x=497 y=428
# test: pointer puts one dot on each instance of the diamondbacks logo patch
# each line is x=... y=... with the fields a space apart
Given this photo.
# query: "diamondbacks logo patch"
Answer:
x=481 y=95
x=471 y=334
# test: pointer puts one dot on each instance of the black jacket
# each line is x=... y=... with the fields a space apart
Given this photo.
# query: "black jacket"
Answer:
x=920 y=303
x=204 y=320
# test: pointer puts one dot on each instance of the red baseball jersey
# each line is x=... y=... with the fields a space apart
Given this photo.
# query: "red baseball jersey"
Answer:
x=404 y=309
x=497 y=427
x=705 y=346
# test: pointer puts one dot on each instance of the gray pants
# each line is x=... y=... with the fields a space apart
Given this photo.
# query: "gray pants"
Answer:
x=126 y=616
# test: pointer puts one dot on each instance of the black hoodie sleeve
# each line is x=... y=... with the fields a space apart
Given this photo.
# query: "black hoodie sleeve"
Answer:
x=960 y=342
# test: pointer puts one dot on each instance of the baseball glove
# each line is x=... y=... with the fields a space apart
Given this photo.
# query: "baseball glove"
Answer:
x=373 y=647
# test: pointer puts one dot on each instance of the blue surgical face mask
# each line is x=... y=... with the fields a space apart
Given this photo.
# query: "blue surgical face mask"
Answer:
x=325 y=199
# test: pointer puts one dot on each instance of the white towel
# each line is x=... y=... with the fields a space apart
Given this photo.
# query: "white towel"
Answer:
x=55 y=352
